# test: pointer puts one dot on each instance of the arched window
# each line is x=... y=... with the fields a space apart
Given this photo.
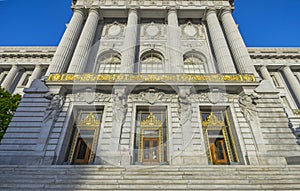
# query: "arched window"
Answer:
x=152 y=62
x=109 y=63
x=193 y=63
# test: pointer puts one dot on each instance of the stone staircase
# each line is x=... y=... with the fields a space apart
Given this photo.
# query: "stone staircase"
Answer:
x=93 y=177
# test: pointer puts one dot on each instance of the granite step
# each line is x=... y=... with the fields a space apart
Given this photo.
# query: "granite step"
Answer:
x=95 y=177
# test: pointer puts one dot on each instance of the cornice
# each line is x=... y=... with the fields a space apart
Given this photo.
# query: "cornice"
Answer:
x=27 y=51
x=277 y=53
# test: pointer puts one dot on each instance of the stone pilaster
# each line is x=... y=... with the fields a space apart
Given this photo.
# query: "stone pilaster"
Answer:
x=65 y=49
x=174 y=44
x=130 y=42
x=6 y=84
x=293 y=81
x=35 y=74
x=279 y=79
x=237 y=45
x=83 y=47
x=221 y=50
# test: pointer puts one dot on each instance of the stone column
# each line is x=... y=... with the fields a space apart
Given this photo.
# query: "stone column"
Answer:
x=130 y=42
x=35 y=74
x=174 y=44
x=83 y=47
x=293 y=81
x=8 y=81
x=237 y=45
x=221 y=50
x=65 y=49
x=265 y=73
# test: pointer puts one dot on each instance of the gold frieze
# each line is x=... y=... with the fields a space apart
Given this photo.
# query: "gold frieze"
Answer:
x=191 y=78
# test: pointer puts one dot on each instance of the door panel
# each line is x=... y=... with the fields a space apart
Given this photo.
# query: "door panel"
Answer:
x=83 y=151
x=151 y=150
x=218 y=152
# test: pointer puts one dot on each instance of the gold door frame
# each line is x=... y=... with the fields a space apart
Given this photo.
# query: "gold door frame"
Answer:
x=90 y=122
x=213 y=123
x=151 y=123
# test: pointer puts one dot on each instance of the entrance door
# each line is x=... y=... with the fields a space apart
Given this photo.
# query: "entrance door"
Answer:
x=83 y=151
x=218 y=152
x=151 y=152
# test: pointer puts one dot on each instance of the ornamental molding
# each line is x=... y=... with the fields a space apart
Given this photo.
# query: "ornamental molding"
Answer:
x=184 y=3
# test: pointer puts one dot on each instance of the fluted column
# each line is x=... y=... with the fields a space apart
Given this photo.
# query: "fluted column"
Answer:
x=293 y=81
x=265 y=73
x=237 y=45
x=174 y=44
x=35 y=74
x=130 y=42
x=10 y=77
x=83 y=47
x=65 y=49
x=221 y=50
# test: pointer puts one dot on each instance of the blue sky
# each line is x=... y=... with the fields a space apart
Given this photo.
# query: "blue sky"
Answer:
x=263 y=23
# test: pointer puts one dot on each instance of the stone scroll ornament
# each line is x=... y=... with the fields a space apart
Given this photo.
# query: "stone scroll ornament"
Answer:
x=248 y=106
x=54 y=108
x=120 y=107
x=185 y=107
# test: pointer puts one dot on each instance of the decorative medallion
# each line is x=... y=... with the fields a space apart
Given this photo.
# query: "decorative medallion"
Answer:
x=152 y=30
x=190 y=30
x=114 y=29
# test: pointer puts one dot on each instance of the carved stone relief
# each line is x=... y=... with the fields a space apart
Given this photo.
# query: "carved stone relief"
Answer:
x=114 y=30
x=247 y=104
x=212 y=97
x=152 y=97
x=185 y=106
x=190 y=30
x=152 y=30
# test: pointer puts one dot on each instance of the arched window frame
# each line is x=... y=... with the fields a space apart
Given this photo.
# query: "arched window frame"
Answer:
x=151 y=62
x=109 y=62
x=194 y=63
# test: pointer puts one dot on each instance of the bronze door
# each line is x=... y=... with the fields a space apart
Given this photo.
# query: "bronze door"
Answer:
x=83 y=151
x=218 y=152
x=151 y=153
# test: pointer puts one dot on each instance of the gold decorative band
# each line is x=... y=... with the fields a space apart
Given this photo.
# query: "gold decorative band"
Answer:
x=87 y=77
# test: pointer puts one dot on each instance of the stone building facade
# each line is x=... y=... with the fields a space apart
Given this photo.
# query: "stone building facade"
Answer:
x=152 y=83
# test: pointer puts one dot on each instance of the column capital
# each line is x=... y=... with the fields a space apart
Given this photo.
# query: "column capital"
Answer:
x=172 y=10
x=94 y=10
x=225 y=10
x=210 y=10
x=132 y=10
